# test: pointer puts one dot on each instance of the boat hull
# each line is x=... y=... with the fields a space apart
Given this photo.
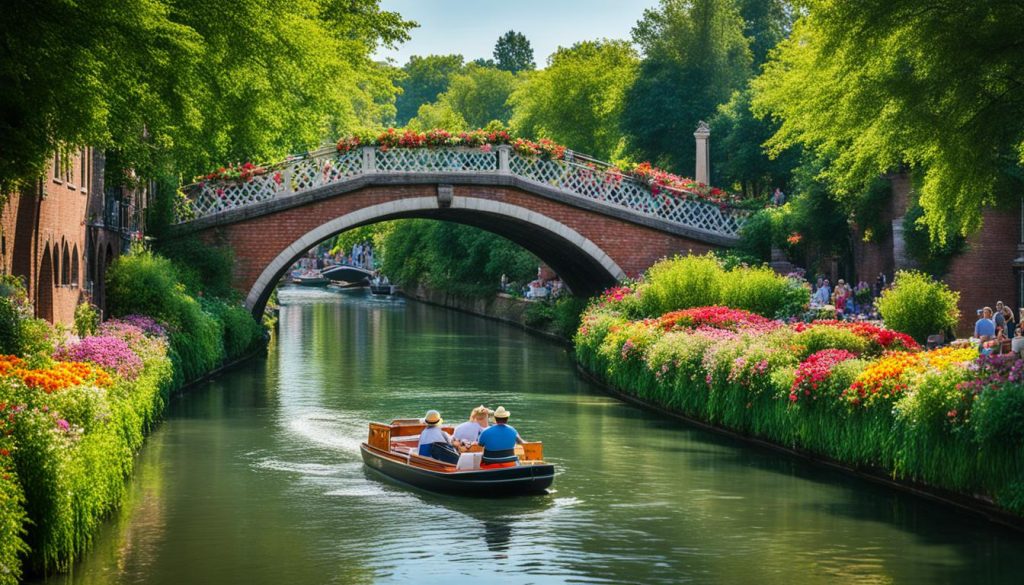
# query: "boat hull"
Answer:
x=509 y=481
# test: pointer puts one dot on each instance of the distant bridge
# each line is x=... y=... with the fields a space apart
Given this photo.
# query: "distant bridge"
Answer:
x=590 y=224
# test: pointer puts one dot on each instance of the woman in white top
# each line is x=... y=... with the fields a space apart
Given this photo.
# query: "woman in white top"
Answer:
x=468 y=432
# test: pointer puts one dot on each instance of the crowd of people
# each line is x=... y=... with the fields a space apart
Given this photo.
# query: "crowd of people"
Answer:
x=848 y=301
x=995 y=329
x=547 y=285
x=498 y=441
x=360 y=256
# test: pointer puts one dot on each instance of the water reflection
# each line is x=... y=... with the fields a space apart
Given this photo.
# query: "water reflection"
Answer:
x=257 y=478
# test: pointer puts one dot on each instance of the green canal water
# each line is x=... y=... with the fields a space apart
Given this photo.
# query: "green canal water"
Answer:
x=256 y=478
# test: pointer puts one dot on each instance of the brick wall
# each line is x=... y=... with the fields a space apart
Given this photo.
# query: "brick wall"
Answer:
x=984 y=274
x=44 y=234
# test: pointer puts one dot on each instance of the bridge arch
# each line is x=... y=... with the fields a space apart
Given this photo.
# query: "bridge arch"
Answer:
x=582 y=264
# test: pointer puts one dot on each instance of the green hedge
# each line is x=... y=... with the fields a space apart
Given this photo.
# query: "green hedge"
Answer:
x=204 y=333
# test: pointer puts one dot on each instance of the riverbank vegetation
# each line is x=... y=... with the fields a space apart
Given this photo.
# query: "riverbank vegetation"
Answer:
x=866 y=396
x=75 y=405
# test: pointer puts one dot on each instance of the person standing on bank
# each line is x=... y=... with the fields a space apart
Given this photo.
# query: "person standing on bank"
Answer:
x=499 y=442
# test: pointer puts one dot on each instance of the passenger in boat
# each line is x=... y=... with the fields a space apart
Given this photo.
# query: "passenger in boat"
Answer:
x=499 y=442
x=468 y=432
x=434 y=442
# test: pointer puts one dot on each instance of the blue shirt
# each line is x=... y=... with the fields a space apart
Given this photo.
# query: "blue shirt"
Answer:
x=984 y=327
x=498 y=438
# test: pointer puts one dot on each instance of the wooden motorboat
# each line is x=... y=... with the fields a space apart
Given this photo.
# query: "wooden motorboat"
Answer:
x=391 y=449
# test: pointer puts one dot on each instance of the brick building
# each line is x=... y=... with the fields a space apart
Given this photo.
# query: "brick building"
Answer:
x=991 y=269
x=61 y=234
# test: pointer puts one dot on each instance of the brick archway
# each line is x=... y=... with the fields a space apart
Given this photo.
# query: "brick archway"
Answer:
x=474 y=211
x=589 y=246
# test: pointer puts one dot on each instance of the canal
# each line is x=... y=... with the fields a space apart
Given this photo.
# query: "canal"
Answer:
x=256 y=478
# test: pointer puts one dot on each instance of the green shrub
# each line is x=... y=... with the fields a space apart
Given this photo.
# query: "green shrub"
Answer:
x=998 y=415
x=568 y=310
x=760 y=290
x=682 y=282
x=38 y=340
x=919 y=306
x=143 y=283
x=538 y=314
x=87 y=319
x=241 y=332
x=815 y=339
x=10 y=327
x=202 y=269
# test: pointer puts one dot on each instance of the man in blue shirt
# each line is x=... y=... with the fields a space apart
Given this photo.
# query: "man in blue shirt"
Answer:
x=499 y=442
x=985 y=328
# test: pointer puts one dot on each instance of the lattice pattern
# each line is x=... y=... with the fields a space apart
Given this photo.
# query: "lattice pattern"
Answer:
x=216 y=196
x=423 y=160
x=628 y=193
x=312 y=172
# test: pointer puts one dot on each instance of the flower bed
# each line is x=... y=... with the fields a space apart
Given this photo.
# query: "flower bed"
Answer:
x=857 y=393
x=68 y=434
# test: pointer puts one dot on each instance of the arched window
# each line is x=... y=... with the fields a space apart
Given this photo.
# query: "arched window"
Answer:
x=65 y=266
x=74 y=266
x=55 y=264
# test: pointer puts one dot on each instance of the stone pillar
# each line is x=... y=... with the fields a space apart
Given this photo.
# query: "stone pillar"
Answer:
x=703 y=170
x=369 y=159
x=504 y=153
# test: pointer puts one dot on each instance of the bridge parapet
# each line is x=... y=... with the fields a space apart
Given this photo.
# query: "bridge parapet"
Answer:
x=574 y=176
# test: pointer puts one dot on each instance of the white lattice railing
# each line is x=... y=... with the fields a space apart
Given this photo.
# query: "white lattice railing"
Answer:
x=587 y=181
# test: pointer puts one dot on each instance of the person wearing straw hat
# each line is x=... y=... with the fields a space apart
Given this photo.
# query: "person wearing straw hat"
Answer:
x=499 y=442
x=434 y=441
x=468 y=432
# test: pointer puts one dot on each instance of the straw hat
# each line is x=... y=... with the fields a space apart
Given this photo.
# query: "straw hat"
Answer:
x=432 y=418
x=502 y=413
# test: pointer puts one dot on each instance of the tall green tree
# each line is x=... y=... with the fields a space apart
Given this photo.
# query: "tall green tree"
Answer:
x=766 y=23
x=695 y=56
x=578 y=99
x=478 y=95
x=877 y=85
x=177 y=86
x=739 y=160
x=454 y=258
x=513 y=53
x=424 y=79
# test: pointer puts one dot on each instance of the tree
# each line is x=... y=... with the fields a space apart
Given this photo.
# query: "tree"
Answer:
x=438 y=115
x=695 y=56
x=424 y=79
x=877 y=85
x=479 y=95
x=176 y=89
x=578 y=99
x=513 y=53
x=766 y=23
x=739 y=160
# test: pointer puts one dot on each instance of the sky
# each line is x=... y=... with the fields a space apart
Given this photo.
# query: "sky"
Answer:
x=471 y=27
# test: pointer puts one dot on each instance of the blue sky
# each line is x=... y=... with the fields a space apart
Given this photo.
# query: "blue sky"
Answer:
x=470 y=27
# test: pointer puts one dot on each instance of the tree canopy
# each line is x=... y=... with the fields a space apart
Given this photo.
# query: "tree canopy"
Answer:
x=478 y=95
x=513 y=53
x=424 y=79
x=695 y=56
x=578 y=99
x=177 y=87
x=877 y=85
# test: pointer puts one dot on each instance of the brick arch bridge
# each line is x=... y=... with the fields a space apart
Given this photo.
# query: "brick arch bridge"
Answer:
x=591 y=226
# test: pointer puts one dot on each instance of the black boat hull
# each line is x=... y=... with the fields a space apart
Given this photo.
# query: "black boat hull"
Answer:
x=509 y=481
